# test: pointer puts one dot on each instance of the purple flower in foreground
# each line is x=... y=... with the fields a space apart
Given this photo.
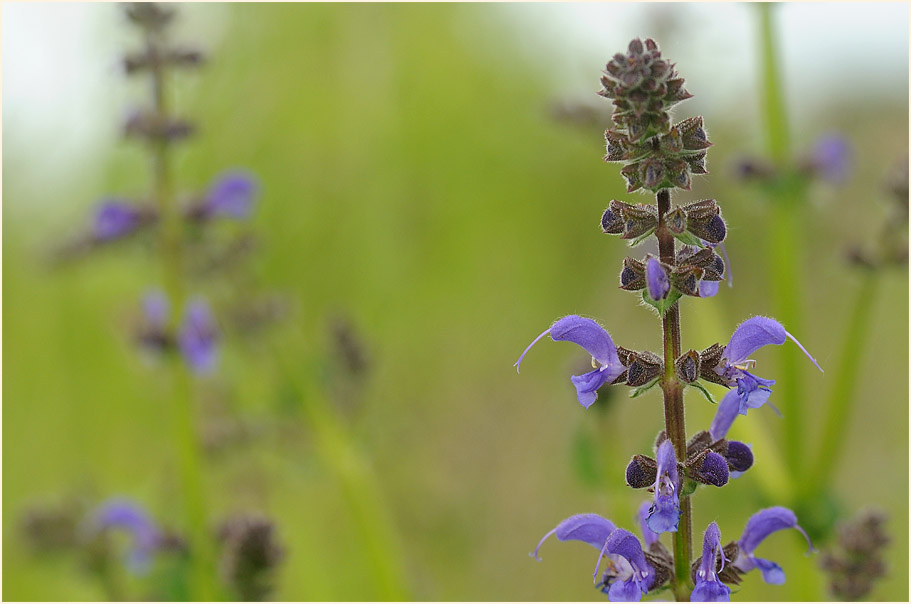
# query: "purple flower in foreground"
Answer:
x=231 y=195
x=751 y=335
x=664 y=515
x=597 y=342
x=648 y=534
x=831 y=158
x=709 y=587
x=198 y=337
x=656 y=279
x=629 y=575
x=760 y=525
x=125 y=515
x=115 y=219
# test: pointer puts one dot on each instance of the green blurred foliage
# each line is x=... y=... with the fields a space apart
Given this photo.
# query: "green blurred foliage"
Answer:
x=415 y=180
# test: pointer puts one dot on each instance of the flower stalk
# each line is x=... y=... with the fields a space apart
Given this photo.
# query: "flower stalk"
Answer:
x=674 y=417
x=784 y=249
x=201 y=559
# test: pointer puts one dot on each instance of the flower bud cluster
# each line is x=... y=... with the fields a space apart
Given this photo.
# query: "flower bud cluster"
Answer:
x=657 y=154
x=856 y=562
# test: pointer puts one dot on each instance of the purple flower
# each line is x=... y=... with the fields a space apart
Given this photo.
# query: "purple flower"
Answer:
x=231 y=195
x=707 y=289
x=831 y=158
x=664 y=514
x=198 y=337
x=629 y=575
x=588 y=528
x=751 y=335
x=709 y=587
x=125 y=515
x=597 y=342
x=760 y=525
x=115 y=219
x=656 y=279
x=648 y=534
x=153 y=334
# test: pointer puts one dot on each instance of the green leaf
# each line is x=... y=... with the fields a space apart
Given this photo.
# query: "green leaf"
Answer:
x=661 y=305
x=688 y=487
x=689 y=239
x=704 y=392
x=641 y=238
x=643 y=389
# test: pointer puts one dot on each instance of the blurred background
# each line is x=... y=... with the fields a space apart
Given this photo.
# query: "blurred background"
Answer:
x=431 y=184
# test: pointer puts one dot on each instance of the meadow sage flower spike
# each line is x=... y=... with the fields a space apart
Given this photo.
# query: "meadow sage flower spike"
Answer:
x=659 y=156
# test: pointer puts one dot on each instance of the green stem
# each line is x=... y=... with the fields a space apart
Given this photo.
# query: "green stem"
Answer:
x=359 y=485
x=855 y=336
x=785 y=253
x=674 y=420
x=184 y=425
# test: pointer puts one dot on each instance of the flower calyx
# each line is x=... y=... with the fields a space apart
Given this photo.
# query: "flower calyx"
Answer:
x=730 y=574
x=635 y=222
x=641 y=367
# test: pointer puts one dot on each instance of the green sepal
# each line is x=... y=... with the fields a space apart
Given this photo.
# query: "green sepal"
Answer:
x=643 y=389
x=661 y=305
x=704 y=392
x=689 y=239
x=641 y=238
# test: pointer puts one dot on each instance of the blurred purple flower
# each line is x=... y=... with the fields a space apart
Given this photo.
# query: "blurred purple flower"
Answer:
x=760 y=525
x=831 y=158
x=709 y=587
x=155 y=308
x=751 y=335
x=664 y=515
x=130 y=517
x=198 y=337
x=597 y=342
x=231 y=195
x=115 y=219
x=153 y=334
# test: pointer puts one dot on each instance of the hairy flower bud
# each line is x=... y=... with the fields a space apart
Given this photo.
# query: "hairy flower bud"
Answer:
x=686 y=279
x=632 y=277
x=641 y=472
x=687 y=367
x=739 y=456
x=709 y=468
x=643 y=368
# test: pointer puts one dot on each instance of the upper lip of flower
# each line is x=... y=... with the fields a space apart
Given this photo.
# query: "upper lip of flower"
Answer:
x=597 y=342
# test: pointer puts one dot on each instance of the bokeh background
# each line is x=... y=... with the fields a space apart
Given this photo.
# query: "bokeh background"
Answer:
x=431 y=177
